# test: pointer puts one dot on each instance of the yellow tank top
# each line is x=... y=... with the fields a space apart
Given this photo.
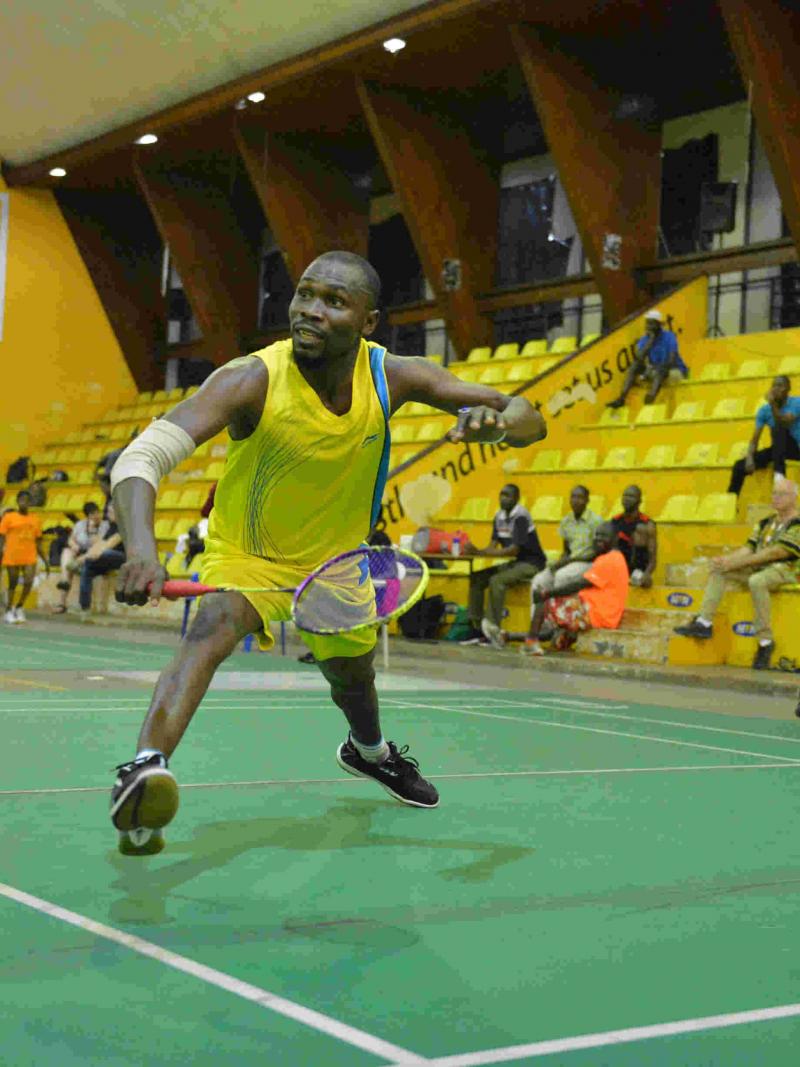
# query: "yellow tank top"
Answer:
x=306 y=484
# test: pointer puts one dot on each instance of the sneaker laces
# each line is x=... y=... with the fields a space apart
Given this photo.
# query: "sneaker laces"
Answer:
x=126 y=768
x=398 y=756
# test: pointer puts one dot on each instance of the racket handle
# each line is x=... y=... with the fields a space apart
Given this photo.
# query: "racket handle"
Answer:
x=178 y=588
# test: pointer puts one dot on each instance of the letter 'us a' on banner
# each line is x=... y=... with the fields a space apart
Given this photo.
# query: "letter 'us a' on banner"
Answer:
x=573 y=394
x=4 y=200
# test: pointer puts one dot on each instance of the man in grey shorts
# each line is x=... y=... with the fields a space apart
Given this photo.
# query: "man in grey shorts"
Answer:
x=577 y=533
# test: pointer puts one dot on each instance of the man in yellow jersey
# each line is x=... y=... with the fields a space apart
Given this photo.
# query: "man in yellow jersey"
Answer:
x=307 y=461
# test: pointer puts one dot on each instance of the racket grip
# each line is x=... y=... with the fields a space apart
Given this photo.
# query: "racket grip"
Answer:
x=463 y=417
x=178 y=588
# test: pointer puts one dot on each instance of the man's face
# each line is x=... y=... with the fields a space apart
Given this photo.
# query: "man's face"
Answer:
x=329 y=313
x=508 y=498
x=780 y=390
x=578 y=499
x=783 y=497
x=652 y=326
x=604 y=538
x=631 y=499
x=23 y=503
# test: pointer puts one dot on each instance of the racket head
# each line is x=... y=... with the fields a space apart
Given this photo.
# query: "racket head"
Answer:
x=359 y=590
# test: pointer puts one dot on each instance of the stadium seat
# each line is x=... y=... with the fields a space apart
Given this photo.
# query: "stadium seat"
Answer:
x=429 y=431
x=545 y=364
x=688 y=411
x=659 y=457
x=717 y=507
x=563 y=346
x=521 y=372
x=700 y=454
x=589 y=339
x=144 y=398
x=715 y=372
x=72 y=438
x=651 y=413
x=619 y=459
x=479 y=355
x=76 y=501
x=735 y=453
x=193 y=499
x=535 y=348
x=789 y=365
x=436 y=357
x=57 y=501
x=214 y=470
x=546 y=509
x=492 y=376
x=82 y=476
x=160 y=394
x=402 y=433
x=469 y=374
x=730 y=407
x=581 y=459
x=163 y=528
x=753 y=368
x=169 y=498
x=680 y=509
x=506 y=351
x=191 y=390
x=175 y=394
x=615 y=416
x=546 y=460
x=476 y=509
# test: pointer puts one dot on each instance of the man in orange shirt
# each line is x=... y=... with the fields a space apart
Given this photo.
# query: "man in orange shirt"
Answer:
x=596 y=600
x=20 y=541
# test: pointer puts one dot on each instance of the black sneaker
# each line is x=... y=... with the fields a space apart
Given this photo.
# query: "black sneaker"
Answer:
x=694 y=629
x=763 y=656
x=475 y=637
x=618 y=403
x=398 y=775
x=144 y=799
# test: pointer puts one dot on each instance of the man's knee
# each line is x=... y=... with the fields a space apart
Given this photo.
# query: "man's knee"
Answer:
x=217 y=627
x=349 y=674
x=759 y=582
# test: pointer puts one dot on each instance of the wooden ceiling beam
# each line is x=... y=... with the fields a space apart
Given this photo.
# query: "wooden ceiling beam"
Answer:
x=218 y=268
x=610 y=169
x=449 y=197
x=765 y=36
x=311 y=207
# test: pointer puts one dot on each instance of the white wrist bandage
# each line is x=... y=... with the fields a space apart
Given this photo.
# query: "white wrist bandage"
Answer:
x=153 y=454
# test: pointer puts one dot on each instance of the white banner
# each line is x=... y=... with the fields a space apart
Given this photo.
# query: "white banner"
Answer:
x=3 y=255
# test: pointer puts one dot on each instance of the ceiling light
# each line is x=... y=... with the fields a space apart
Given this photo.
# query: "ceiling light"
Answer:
x=57 y=172
x=394 y=44
x=256 y=98
x=147 y=138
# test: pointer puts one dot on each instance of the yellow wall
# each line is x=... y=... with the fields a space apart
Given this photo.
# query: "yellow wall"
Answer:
x=60 y=364
x=481 y=470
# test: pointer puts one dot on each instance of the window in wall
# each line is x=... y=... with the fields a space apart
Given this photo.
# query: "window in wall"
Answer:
x=528 y=250
x=276 y=289
x=684 y=171
x=393 y=255
x=182 y=326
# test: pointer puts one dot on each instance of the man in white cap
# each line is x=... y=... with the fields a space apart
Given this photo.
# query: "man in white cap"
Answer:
x=656 y=356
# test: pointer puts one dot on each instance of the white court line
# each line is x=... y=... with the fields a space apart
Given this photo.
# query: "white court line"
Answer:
x=68 y=651
x=566 y=772
x=288 y=1008
x=578 y=703
x=593 y=730
x=612 y=1037
x=506 y=703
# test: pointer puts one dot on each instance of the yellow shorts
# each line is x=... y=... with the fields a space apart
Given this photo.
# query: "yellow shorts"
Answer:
x=227 y=567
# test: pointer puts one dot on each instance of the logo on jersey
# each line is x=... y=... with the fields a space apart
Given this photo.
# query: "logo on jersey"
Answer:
x=368 y=440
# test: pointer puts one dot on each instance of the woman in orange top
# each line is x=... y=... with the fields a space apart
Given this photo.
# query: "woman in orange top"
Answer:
x=20 y=541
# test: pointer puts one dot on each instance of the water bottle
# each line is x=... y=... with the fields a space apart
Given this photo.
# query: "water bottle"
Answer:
x=456 y=549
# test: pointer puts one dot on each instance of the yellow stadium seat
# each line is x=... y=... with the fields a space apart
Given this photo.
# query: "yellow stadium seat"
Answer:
x=492 y=376
x=717 y=507
x=521 y=372
x=546 y=460
x=619 y=459
x=597 y=504
x=542 y=365
x=680 y=509
x=163 y=528
x=469 y=374
x=82 y=476
x=753 y=368
x=563 y=346
x=476 y=509
x=72 y=438
x=546 y=509
x=144 y=398
x=736 y=453
x=214 y=470
x=615 y=416
x=429 y=431
x=57 y=501
x=688 y=411
x=715 y=372
x=730 y=407
x=160 y=394
x=402 y=433
x=659 y=457
x=789 y=365
x=76 y=502
x=701 y=454
x=589 y=339
x=651 y=413
x=175 y=394
x=507 y=351
x=169 y=498
x=581 y=459
x=457 y=368
x=479 y=355
x=534 y=348
x=436 y=357
x=193 y=499
x=191 y=390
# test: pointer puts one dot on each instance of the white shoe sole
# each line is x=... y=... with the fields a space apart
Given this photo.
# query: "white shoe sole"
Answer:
x=156 y=801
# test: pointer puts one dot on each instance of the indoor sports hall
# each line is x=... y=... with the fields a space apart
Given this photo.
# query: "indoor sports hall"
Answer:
x=224 y=231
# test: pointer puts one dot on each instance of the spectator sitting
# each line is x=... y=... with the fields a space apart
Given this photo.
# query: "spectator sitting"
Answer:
x=106 y=554
x=781 y=413
x=595 y=600
x=656 y=357
x=513 y=534
x=577 y=532
x=637 y=538
x=20 y=543
x=84 y=534
x=770 y=558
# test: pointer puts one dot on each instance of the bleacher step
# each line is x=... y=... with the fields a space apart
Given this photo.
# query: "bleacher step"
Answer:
x=635 y=646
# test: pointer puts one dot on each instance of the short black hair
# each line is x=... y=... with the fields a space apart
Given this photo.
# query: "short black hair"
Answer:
x=23 y=492
x=514 y=489
x=89 y=508
x=782 y=378
x=581 y=489
x=371 y=282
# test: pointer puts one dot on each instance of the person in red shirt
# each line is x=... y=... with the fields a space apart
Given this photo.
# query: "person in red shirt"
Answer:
x=20 y=542
x=594 y=601
x=637 y=538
